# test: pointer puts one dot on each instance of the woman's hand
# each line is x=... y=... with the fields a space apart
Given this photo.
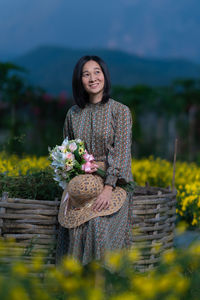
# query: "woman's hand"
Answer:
x=93 y=168
x=103 y=199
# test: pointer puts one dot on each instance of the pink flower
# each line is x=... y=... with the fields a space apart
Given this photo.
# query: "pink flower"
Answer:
x=86 y=167
x=88 y=157
x=69 y=155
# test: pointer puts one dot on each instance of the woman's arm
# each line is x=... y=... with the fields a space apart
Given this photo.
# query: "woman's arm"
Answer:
x=119 y=156
x=67 y=128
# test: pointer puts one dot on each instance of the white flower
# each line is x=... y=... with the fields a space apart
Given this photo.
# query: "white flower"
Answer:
x=68 y=168
x=72 y=147
x=65 y=142
x=62 y=148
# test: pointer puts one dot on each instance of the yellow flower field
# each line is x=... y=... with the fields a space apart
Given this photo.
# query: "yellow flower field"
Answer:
x=14 y=166
x=157 y=172
x=177 y=276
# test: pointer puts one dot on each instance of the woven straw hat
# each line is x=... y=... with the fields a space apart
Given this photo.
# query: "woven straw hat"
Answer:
x=79 y=196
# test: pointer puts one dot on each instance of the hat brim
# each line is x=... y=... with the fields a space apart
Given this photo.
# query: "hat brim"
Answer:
x=72 y=217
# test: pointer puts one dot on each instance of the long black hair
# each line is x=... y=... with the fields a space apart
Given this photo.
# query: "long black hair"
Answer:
x=81 y=97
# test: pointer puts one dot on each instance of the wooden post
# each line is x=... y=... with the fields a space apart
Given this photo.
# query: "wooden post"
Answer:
x=4 y=198
x=174 y=165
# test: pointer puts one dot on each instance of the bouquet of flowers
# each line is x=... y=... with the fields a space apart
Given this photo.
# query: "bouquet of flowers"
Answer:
x=71 y=159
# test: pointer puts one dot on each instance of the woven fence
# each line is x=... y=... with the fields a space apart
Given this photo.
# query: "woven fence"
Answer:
x=154 y=215
x=33 y=224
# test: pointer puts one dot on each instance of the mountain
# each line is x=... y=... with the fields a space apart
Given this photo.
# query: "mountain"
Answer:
x=51 y=67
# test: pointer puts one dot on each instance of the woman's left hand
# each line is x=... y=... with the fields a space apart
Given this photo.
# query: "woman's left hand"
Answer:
x=103 y=199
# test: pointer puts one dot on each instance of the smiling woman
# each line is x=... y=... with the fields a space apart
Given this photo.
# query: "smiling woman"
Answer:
x=105 y=126
x=93 y=80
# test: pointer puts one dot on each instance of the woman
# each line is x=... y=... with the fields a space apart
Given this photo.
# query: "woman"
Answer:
x=105 y=125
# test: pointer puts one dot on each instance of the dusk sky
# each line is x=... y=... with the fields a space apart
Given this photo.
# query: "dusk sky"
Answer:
x=152 y=28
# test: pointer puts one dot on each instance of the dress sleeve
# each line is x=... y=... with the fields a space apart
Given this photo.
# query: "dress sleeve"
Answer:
x=67 y=128
x=119 y=154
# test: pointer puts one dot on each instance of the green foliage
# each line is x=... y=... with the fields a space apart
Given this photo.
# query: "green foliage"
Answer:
x=37 y=185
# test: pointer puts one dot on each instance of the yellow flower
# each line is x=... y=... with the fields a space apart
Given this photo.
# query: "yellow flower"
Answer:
x=71 y=265
x=195 y=249
x=17 y=293
x=96 y=294
x=181 y=227
x=19 y=269
x=70 y=284
x=113 y=259
x=182 y=285
x=133 y=255
x=81 y=150
x=69 y=162
x=165 y=283
x=168 y=256
x=146 y=286
x=126 y=296
x=37 y=263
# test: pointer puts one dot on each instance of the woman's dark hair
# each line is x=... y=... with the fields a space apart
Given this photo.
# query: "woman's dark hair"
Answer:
x=81 y=97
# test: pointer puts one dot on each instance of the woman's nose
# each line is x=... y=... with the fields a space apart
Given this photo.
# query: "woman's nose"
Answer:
x=92 y=77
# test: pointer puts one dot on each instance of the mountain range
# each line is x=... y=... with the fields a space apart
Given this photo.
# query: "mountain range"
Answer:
x=148 y=28
x=51 y=67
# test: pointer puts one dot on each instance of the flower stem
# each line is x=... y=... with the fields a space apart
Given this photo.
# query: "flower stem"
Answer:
x=101 y=173
x=127 y=187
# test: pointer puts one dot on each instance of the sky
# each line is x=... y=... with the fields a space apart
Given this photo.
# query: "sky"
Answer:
x=151 y=28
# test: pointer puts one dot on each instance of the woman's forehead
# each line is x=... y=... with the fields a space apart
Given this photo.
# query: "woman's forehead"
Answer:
x=91 y=64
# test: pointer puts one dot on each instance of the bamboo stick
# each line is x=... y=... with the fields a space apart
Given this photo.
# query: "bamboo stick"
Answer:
x=33 y=201
x=2 y=209
x=14 y=225
x=26 y=205
x=42 y=212
x=25 y=216
x=34 y=221
x=27 y=235
x=50 y=232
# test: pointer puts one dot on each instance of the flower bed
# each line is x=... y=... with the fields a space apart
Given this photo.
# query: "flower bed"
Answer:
x=31 y=177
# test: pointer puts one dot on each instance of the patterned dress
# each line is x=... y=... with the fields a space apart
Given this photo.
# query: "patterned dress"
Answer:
x=107 y=131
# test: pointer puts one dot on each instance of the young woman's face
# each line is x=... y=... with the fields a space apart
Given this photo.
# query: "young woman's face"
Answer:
x=93 y=78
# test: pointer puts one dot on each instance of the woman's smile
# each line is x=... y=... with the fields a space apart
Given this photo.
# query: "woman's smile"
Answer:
x=94 y=85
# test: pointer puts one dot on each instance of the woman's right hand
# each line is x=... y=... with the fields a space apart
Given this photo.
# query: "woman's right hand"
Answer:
x=93 y=168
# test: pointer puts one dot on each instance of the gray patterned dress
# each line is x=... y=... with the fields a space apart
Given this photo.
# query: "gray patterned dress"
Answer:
x=107 y=132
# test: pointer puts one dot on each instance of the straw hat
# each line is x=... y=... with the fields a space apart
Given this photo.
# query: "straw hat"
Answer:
x=79 y=196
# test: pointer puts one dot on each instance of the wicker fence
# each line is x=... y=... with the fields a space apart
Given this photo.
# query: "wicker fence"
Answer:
x=34 y=222
x=154 y=213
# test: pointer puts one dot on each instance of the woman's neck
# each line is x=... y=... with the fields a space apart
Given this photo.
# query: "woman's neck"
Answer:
x=95 y=98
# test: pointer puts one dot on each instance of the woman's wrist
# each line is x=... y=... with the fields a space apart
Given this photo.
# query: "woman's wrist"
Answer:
x=108 y=187
x=111 y=180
